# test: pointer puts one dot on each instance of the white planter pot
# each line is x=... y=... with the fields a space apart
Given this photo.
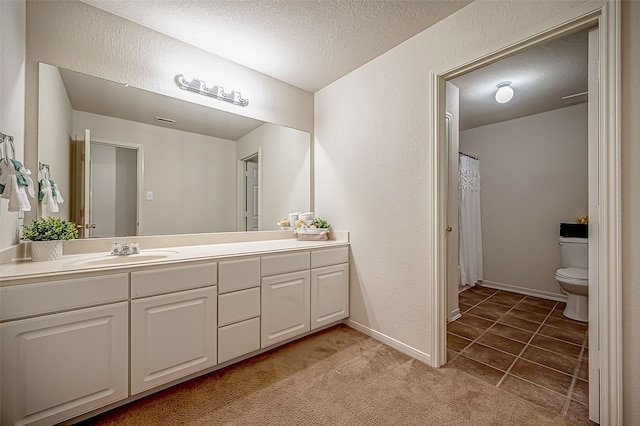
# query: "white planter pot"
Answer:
x=46 y=250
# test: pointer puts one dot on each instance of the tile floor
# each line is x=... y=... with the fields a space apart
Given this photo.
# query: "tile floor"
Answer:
x=524 y=345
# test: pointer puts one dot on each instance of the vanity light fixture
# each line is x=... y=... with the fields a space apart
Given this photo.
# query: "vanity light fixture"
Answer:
x=504 y=93
x=217 y=92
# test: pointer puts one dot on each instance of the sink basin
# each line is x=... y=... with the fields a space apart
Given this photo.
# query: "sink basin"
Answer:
x=133 y=258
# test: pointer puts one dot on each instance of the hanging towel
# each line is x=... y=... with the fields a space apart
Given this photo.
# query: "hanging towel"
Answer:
x=13 y=182
x=46 y=196
x=14 y=178
x=56 y=194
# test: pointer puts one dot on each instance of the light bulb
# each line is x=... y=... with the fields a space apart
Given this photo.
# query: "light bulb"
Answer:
x=504 y=93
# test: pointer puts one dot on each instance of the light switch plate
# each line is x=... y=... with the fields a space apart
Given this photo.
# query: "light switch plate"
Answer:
x=149 y=196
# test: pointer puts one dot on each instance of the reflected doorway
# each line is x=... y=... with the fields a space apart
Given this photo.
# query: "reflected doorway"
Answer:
x=251 y=193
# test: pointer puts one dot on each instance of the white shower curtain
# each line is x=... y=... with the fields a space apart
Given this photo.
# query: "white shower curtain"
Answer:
x=470 y=237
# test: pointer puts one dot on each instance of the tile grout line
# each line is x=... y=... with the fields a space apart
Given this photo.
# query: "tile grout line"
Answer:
x=576 y=370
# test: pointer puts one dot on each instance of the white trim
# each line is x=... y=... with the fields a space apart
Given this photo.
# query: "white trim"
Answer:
x=606 y=15
x=526 y=291
x=390 y=341
x=140 y=172
x=455 y=314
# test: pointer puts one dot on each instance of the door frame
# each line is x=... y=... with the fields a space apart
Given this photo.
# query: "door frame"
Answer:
x=606 y=16
x=242 y=192
x=139 y=171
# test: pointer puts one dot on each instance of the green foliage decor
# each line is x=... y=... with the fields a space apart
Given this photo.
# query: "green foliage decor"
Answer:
x=49 y=229
x=320 y=223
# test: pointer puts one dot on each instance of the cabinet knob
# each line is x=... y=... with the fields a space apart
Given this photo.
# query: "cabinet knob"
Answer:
x=449 y=229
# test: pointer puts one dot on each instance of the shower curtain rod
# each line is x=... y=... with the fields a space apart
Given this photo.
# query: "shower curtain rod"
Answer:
x=467 y=155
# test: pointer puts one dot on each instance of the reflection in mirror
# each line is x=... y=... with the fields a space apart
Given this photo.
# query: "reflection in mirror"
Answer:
x=178 y=167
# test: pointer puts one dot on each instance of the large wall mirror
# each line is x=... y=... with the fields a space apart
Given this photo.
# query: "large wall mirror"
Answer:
x=131 y=162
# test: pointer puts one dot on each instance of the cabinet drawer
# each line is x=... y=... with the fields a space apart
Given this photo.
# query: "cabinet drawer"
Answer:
x=41 y=298
x=327 y=257
x=168 y=280
x=284 y=263
x=238 y=306
x=238 y=274
x=238 y=339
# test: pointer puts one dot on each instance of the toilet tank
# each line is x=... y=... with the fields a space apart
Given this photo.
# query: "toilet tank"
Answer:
x=574 y=252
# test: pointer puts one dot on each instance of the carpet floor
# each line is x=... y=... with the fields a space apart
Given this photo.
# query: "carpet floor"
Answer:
x=336 y=377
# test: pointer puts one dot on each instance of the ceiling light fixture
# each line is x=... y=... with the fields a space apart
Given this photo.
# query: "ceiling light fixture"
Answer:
x=504 y=93
x=200 y=87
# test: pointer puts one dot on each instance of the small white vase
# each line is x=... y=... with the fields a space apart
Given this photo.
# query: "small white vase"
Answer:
x=46 y=250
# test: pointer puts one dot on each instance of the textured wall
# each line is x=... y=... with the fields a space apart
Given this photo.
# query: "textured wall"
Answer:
x=371 y=136
x=534 y=176
x=12 y=78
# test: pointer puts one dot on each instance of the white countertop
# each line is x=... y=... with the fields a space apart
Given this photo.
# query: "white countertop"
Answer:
x=21 y=270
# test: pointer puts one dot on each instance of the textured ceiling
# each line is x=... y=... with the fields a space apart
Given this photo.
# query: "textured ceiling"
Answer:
x=307 y=43
x=311 y=43
x=540 y=77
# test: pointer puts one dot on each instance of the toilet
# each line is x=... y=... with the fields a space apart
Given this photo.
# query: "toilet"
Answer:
x=573 y=277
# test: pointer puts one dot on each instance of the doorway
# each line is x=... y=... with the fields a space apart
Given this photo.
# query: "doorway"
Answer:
x=605 y=214
x=251 y=193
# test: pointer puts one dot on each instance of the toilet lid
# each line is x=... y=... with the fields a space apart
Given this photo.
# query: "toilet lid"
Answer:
x=573 y=273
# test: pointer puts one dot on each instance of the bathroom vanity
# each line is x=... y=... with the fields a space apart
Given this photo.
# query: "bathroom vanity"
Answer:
x=92 y=331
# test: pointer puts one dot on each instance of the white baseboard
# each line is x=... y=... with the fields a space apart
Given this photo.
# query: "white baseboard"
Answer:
x=455 y=314
x=405 y=349
x=526 y=291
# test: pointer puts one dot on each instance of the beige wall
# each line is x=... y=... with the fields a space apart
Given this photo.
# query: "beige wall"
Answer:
x=192 y=176
x=12 y=99
x=372 y=163
x=534 y=176
x=55 y=128
x=630 y=131
x=284 y=163
x=372 y=172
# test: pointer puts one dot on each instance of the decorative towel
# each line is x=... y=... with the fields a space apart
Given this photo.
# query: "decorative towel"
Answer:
x=14 y=178
x=48 y=195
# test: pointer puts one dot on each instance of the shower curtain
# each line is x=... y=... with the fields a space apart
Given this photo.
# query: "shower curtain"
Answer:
x=470 y=237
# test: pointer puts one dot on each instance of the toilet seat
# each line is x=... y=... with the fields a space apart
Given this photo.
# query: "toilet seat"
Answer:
x=577 y=276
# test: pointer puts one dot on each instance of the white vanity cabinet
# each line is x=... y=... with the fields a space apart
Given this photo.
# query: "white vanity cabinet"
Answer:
x=173 y=335
x=329 y=286
x=57 y=365
x=285 y=297
x=238 y=307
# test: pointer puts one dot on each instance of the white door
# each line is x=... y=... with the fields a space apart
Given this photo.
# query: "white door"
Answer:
x=452 y=142
x=251 y=192
x=329 y=294
x=86 y=186
x=59 y=366
x=285 y=307
x=594 y=222
x=172 y=336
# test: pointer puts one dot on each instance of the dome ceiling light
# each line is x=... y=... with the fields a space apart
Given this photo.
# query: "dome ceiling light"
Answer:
x=504 y=93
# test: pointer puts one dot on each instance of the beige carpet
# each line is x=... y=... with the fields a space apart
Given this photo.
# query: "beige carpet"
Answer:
x=336 y=377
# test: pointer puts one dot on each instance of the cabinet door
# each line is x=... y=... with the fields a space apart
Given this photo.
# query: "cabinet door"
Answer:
x=285 y=307
x=329 y=294
x=59 y=366
x=172 y=336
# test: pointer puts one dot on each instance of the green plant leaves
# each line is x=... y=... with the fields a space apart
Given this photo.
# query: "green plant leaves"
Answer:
x=50 y=228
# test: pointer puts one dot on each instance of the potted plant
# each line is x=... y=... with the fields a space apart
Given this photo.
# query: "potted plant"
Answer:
x=47 y=235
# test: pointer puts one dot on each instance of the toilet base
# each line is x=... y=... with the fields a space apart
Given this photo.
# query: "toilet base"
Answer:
x=577 y=308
